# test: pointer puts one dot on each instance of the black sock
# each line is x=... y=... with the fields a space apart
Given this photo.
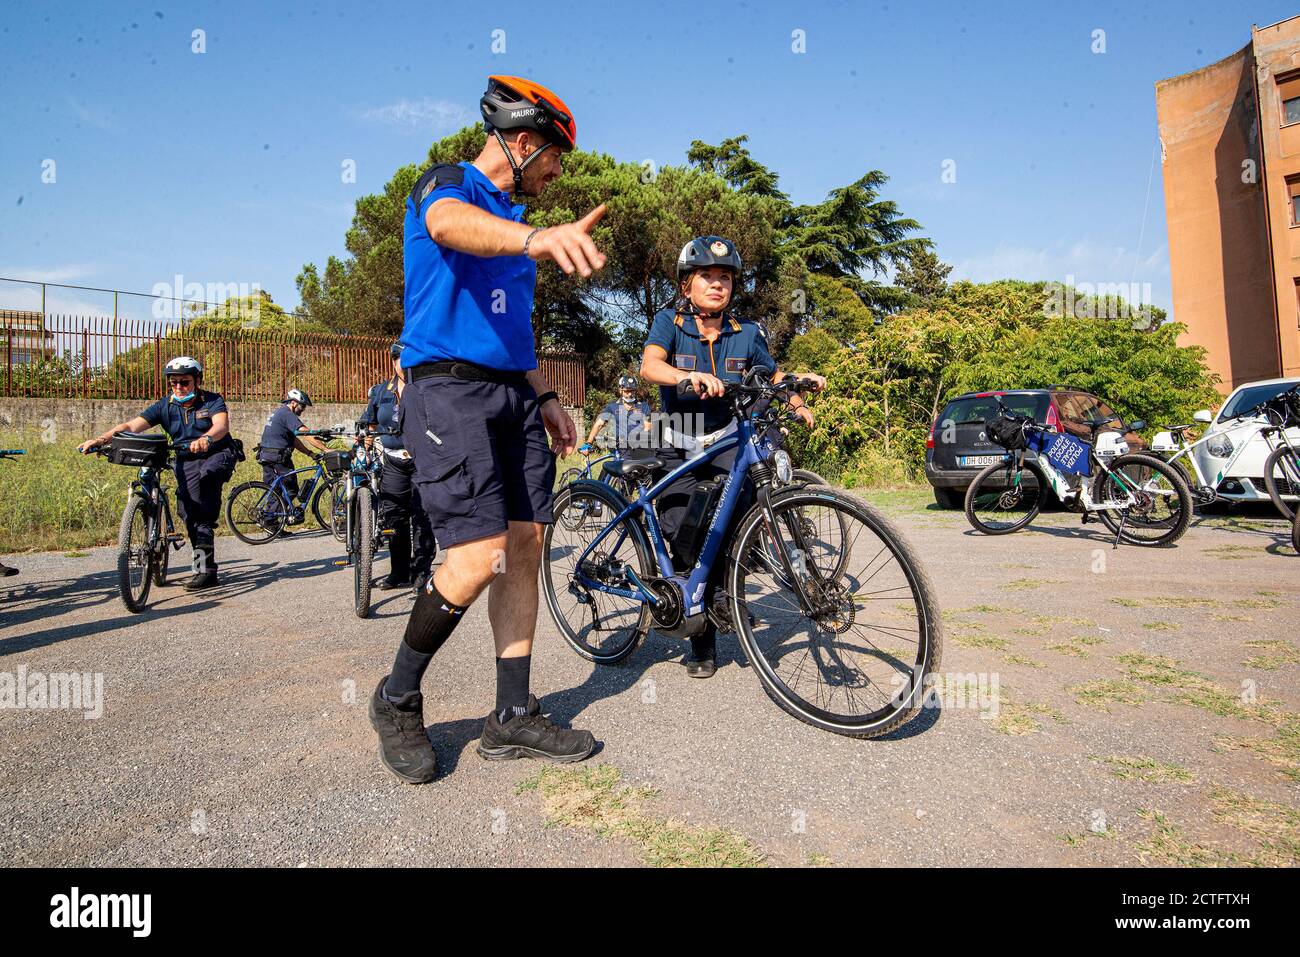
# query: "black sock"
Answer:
x=512 y=686
x=431 y=623
x=705 y=645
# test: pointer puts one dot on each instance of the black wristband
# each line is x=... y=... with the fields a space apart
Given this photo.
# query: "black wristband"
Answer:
x=546 y=397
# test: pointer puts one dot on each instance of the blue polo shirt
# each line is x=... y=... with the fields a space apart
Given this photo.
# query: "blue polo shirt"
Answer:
x=740 y=346
x=381 y=411
x=281 y=426
x=457 y=306
x=184 y=424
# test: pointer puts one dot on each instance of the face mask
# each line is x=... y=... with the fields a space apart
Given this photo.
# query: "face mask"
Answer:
x=182 y=398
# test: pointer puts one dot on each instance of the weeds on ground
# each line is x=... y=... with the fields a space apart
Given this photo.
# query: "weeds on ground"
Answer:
x=1145 y=769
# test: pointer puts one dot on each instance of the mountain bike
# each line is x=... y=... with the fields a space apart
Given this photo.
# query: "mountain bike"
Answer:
x=147 y=529
x=364 y=534
x=257 y=512
x=1282 y=465
x=1142 y=499
x=841 y=628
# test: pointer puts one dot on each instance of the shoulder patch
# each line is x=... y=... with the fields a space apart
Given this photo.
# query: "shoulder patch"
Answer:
x=440 y=174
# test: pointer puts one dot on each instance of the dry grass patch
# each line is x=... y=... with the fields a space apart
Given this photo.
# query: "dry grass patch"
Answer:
x=1145 y=769
x=1106 y=691
x=1277 y=652
x=1023 y=584
x=592 y=798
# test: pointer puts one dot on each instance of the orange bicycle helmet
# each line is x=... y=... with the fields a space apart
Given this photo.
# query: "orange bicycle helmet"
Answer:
x=513 y=103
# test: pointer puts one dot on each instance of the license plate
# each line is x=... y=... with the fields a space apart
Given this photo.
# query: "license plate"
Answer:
x=976 y=461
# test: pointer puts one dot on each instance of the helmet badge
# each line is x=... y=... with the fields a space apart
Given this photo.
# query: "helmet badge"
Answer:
x=719 y=248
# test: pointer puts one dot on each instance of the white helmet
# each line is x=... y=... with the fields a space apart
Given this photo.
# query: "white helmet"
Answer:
x=183 y=365
x=297 y=395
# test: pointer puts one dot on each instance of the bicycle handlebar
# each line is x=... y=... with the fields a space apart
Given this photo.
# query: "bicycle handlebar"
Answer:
x=8 y=453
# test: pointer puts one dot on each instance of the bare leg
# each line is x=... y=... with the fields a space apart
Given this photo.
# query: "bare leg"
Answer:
x=512 y=599
x=470 y=567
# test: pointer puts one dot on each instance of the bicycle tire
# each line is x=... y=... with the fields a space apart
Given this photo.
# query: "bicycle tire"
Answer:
x=161 y=562
x=271 y=524
x=929 y=623
x=1295 y=532
x=1174 y=475
x=808 y=477
x=136 y=507
x=323 y=486
x=976 y=491
x=339 y=512
x=363 y=550
x=1281 y=464
x=613 y=504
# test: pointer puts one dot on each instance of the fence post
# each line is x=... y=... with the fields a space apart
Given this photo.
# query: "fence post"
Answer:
x=9 y=350
x=85 y=363
x=338 y=373
x=284 y=369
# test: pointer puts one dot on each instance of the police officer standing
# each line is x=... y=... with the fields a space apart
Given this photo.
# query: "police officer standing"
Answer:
x=279 y=439
x=411 y=548
x=476 y=414
x=199 y=419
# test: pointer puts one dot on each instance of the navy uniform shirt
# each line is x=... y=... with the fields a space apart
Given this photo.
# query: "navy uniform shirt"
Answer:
x=184 y=424
x=280 y=428
x=381 y=412
x=740 y=346
x=457 y=306
x=625 y=420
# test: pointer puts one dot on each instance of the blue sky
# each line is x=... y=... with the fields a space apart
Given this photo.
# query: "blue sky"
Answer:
x=225 y=167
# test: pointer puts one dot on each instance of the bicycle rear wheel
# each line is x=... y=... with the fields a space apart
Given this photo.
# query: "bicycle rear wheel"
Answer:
x=135 y=554
x=1282 y=477
x=255 y=513
x=856 y=663
x=1004 y=499
x=363 y=549
x=1163 y=502
x=600 y=627
x=321 y=498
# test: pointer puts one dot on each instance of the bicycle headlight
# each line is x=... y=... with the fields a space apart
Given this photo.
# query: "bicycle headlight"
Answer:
x=781 y=465
x=1220 y=446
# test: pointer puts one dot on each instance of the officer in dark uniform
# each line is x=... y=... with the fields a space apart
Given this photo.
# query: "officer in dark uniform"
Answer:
x=411 y=548
x=629 y=416
x=703 y=343
x=279 y=439
x=204 y=464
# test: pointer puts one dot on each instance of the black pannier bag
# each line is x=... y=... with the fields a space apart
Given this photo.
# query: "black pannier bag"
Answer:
x=272 y=456
x=1005 y=431
x=138 y=450
x=336 y=461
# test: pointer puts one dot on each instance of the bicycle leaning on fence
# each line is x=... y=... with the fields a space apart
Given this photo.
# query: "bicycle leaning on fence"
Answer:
x=147 y=532
x=257 y=512
x=814 y=579
x=1140 y=498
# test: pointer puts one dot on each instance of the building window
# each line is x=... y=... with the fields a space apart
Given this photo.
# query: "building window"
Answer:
x=1288 y=91
x=1293 y=198
x=1297 y=303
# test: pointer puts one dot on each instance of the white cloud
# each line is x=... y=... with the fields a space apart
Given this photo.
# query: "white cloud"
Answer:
x=68 y=272
x=438 y=116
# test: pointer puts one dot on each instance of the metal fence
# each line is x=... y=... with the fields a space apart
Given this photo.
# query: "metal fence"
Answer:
x=98 y=357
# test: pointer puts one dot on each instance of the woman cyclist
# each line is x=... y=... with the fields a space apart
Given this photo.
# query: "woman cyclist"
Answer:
x=702 y=342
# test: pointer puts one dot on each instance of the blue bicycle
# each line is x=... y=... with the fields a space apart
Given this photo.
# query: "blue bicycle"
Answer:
x=257 y=512
x=830 y=604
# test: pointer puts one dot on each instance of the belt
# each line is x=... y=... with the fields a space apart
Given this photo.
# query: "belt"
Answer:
x=400 y=454
x=455 y=369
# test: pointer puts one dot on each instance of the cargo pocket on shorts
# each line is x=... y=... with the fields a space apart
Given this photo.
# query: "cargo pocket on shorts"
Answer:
x=449 y=490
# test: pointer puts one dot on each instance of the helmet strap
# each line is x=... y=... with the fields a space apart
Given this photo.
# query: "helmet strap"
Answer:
x=518 y=168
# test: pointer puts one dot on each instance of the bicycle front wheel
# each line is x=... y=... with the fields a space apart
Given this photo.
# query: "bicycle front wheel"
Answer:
x=135 y=553
x=1004 y=498
x=363 y=549
x=599 y=626
x=321 y=498
x=255 y=513
x=854 y=659
x=1282 y=477
x=1162 y=502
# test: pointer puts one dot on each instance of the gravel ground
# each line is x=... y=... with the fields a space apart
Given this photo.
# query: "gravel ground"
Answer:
x=234 y=729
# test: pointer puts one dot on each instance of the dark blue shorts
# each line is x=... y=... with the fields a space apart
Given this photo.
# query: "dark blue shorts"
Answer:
x=482 y=458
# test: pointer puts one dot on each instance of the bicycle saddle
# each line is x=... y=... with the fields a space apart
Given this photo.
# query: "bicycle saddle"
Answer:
x=631 y=468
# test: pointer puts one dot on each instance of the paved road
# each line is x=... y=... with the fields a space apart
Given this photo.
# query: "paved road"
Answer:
x=234 y=728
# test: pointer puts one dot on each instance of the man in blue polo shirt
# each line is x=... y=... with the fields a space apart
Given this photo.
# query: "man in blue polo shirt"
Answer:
x=476 y=415
x=198 y=421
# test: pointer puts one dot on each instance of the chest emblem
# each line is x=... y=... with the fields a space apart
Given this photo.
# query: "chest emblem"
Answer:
x=737 y=365
x=684 y=361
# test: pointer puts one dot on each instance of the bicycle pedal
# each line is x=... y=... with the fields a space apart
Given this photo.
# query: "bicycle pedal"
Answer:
x=386 y=531
x=341 y=561
x=175 y=538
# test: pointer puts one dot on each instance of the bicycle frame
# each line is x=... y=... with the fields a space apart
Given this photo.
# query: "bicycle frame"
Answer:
x=1186 y=451
x=692 y=586
x=277 y=485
